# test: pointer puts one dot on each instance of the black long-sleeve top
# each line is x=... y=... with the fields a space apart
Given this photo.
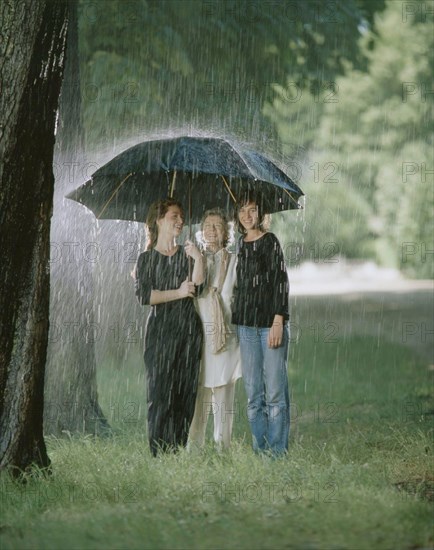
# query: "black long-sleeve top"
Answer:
x=262 y=288
x=155 y=271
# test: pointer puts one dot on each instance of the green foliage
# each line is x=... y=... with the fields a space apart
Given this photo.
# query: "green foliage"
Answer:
x=377 y=114
x=296 y=113
x=237 y=69
x=405 y=202
x=201 y=64
x=379 y=133
x=336 y=220
x=382 y=132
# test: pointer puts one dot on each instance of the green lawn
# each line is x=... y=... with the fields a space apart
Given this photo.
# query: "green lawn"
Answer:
x=358 y=475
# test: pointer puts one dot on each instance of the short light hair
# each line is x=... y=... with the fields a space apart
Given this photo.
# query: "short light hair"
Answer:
x=224 y=219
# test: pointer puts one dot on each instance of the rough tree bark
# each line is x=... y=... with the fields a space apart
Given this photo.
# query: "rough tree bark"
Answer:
x=33 y=41
x=70 y=380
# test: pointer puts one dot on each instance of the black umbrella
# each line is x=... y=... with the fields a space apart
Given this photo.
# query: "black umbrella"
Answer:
x=200 y=172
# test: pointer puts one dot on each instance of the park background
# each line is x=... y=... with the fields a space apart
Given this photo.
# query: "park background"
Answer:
x=339 y=94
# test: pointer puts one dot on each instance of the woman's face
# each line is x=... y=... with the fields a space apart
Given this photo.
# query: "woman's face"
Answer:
x=172 y=222
x=213 y=231
x=248 y=216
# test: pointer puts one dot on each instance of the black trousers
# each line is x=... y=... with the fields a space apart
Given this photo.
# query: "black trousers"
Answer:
x=172 y=360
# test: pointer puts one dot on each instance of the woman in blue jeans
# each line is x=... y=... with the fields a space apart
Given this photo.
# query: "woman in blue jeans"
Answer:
x=261 y=311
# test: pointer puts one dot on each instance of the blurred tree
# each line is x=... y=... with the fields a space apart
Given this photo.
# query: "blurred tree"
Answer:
x=204 y=64
x=377 y=133
x=381 y=135
x=335 y=221
x=32 y=53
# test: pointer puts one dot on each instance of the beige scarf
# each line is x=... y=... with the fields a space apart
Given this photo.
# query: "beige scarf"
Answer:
x=218 y=339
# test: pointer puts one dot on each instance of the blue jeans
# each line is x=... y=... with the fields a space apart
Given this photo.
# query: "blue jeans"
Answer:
x=266 y=382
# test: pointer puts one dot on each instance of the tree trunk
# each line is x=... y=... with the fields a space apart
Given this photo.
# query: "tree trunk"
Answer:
x=33 y=44
x=70 y=381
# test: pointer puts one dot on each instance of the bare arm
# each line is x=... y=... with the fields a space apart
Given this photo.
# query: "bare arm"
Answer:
x=186 y=290
x=198 y=275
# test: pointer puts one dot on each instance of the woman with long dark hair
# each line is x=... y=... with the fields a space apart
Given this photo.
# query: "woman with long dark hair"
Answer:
x=173 y=339
x=261 y=311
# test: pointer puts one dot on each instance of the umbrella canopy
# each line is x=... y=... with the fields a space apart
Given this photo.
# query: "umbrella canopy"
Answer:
x=200 y=172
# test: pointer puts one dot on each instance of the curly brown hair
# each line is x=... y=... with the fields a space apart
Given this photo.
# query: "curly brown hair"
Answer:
x=156 y=212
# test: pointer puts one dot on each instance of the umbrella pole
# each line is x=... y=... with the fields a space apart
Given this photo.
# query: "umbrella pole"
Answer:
x=190 y=232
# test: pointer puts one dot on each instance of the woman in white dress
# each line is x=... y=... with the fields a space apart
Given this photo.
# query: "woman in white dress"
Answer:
x=220 y=366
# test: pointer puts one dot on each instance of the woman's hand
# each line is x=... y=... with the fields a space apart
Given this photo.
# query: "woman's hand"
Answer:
x=192 y=250
x=275 y=335
x=187 y=289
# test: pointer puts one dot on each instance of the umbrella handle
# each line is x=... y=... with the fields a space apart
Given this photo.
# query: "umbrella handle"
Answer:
x=189 y=227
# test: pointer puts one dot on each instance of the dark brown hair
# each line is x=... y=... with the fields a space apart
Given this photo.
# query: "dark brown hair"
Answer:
x=156 y=212
x=250 y=196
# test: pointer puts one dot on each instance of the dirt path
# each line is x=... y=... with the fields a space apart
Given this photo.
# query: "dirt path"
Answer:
x=366 y=301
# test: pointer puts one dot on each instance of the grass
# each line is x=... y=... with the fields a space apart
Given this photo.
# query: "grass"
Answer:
x=358 y=475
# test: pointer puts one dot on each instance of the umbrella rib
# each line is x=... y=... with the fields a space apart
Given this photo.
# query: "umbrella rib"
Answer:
x=172 y=186
x=240 y=156
x=248 y=167
x=229 y=189
x=113 y=194
x=290 y=196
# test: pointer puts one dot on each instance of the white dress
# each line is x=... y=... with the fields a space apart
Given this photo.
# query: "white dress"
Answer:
x=219 y=371
x=223 y=367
